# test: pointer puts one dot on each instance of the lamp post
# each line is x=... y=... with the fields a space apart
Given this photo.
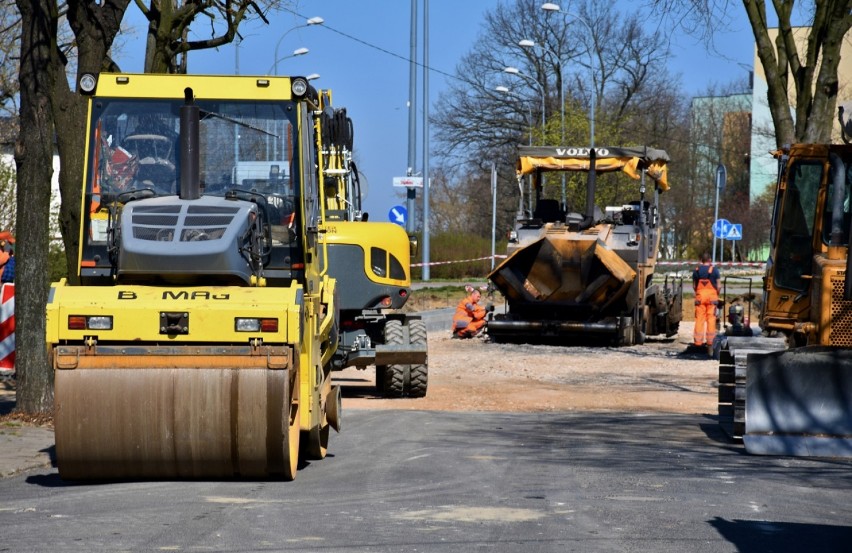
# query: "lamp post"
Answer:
x=505 y=90
x=312 y=21
x=517 y=72
x=721 y=180
x=297 y=52
x=526 y=43
x=551 y=7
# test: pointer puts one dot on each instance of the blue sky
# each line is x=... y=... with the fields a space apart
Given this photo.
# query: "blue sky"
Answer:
x=369 y=73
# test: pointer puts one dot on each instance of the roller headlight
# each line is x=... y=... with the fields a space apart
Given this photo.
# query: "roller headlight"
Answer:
x=299 y=87
x=88 y=83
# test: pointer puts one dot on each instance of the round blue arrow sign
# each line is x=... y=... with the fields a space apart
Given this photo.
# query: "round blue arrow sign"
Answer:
x=721 y=228
x=398 y=214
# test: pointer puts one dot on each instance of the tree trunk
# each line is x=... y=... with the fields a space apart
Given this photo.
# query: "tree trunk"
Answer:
x=813 y=77
x=95 y=28
x=159 y=55
x=834 y=21
x=71 y=145
x=34 y=162
x=47 y=104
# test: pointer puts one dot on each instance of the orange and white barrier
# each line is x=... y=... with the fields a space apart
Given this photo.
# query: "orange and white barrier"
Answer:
x=689 y=264
x=7 y=327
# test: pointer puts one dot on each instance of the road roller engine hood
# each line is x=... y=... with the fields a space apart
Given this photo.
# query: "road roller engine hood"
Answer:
x=177 y=240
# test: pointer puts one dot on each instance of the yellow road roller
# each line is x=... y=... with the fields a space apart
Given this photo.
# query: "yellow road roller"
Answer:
x=197 y=338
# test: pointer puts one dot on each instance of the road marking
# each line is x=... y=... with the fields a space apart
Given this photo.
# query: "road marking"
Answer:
x=473 y=514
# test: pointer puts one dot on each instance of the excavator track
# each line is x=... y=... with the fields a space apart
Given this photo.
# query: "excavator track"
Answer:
x=176 y=412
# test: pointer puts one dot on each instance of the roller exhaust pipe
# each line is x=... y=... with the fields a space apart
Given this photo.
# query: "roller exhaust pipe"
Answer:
x=190 y=183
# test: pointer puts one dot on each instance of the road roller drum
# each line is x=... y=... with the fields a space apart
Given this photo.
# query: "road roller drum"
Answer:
x=178 y=420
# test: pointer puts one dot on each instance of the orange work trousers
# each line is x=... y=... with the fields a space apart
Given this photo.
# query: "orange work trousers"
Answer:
x=705 y=322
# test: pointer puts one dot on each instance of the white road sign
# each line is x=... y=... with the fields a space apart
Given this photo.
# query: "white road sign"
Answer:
x=735 y=232
x=408 y=182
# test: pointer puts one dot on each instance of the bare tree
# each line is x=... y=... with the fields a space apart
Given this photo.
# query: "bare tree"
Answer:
x=592 y=52
x=49 y=103
x=41 y=64
x=169 y=22
x=809 y=73
x=8 y=200
x=10 y=36
x=719 y=132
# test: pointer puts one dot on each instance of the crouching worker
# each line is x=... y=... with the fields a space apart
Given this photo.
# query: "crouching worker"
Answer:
x=469 y=319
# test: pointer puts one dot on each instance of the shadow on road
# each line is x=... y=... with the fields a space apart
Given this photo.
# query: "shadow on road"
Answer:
x=357 y=387
x=753 y=536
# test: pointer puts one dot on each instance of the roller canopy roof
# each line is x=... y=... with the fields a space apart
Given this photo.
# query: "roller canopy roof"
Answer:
x=630 y=160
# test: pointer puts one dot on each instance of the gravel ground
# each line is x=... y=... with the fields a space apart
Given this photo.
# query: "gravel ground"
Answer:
x=477 y=375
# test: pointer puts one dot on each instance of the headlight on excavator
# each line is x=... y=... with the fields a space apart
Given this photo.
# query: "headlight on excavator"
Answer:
x=249 y=324
x=89 y=322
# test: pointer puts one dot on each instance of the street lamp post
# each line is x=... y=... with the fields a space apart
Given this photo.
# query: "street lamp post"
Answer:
x=297 y=52
x=526 y=43
x=551 y=7
x=721 y=179
x=312 y=21
x=505 y=90
x=517 y=72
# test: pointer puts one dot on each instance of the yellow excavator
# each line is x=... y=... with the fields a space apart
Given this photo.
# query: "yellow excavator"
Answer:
x=789 y=391
x=198 y=342
x=371 y=262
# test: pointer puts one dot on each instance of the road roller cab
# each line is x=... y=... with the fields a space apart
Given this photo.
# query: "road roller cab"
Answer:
x=197 y=338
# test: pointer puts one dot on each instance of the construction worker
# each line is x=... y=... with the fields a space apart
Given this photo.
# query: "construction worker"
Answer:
x=705 y=283
x=8 y=269
x=469 y=319
x=4 y=255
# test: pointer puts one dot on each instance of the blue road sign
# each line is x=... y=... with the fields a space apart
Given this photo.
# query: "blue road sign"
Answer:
x=735 y=232
x=721 y=228
x=398 y=214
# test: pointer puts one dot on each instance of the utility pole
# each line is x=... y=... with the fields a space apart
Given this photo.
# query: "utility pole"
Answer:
x=721 y=177
x=411 y=193
x=426 y=140
x=493 y=213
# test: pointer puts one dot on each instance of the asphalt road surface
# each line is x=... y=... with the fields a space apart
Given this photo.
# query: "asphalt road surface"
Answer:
x=399 y=481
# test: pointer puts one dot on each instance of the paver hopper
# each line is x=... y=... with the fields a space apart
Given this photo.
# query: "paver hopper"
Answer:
x=570 y=274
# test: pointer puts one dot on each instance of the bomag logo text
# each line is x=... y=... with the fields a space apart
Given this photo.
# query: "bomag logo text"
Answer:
x=197 y=295
x=183 y=295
